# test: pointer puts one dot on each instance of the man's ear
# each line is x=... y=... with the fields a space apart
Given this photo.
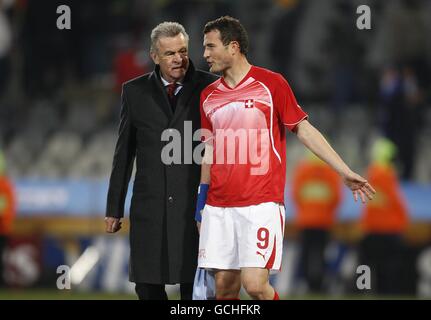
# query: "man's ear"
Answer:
x=155 y=57
x=234 y=47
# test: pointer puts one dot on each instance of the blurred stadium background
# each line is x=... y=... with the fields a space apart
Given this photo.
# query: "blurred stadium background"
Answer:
x=59 y=110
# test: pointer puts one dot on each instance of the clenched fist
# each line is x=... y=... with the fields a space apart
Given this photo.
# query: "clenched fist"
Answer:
x=112 y=224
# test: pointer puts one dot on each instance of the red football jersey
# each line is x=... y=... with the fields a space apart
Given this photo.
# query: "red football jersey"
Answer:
x=247 y=130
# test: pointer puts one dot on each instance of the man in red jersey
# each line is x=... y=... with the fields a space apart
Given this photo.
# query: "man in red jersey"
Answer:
x=244 y=115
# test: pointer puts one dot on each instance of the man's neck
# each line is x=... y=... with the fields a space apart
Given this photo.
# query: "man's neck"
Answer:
x=237 y=72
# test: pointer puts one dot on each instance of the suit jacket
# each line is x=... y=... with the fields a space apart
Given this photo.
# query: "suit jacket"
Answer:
x=163 y=233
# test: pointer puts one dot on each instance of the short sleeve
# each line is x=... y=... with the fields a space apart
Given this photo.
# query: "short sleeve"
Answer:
x=289 y=111
x=206 y=126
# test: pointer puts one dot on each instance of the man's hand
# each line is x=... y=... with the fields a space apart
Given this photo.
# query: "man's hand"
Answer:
x=358 y=185
x=112 y=224
x=198 y=224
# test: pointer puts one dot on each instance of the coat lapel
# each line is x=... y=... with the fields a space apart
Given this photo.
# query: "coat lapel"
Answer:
x=186 y=93
x=160 y=96
x=159 y=93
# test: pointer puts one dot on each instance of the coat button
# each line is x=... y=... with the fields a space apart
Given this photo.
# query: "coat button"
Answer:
x=171 y=199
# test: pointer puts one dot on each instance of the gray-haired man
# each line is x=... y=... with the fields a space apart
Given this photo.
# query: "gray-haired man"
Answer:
x=163 y=234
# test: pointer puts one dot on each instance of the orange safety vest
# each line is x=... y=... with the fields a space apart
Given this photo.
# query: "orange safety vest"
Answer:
x=7 y=205
x=316 y=190
x=387 y=212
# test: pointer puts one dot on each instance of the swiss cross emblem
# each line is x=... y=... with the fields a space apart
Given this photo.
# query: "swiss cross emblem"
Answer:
x=249 y=103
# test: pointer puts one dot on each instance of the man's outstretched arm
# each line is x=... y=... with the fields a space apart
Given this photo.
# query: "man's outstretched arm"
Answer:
x=314 y=140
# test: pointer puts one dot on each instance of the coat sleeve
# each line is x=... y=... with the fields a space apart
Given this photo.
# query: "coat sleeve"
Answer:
x=124 y=156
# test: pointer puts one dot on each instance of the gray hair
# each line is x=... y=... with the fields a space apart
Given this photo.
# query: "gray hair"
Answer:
x=166 y=29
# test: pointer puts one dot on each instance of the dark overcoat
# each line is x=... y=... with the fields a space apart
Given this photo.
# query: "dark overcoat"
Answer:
x=163 y=233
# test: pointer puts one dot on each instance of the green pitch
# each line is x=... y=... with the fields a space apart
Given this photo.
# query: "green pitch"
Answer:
x=50 y=294
x=12 y=294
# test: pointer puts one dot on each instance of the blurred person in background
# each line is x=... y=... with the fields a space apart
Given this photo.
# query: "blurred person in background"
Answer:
x=5 y=45
x=46 y=50
x=383 y=222
x=345 y=58
x=316 y=195
x=130 y=61
x=402 y=107
x=405 y=77
x=285 y=27
x=7 y=212
x=163 y=233
x=405 y=35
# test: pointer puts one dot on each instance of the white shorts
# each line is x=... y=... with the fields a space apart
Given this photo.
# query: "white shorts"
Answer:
x=241 y=237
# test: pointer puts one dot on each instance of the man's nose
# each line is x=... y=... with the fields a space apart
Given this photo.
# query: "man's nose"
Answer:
x=178 y=57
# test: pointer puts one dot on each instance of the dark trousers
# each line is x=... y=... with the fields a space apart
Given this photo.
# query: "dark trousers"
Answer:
x=147 y=291
x=3 y=242
x=312 y=257
x=384 y=254
x=4 y=74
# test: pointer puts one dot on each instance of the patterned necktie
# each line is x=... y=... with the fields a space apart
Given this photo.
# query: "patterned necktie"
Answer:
x=170 y=89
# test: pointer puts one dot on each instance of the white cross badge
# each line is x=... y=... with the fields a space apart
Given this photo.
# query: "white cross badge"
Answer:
x=249 y=103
